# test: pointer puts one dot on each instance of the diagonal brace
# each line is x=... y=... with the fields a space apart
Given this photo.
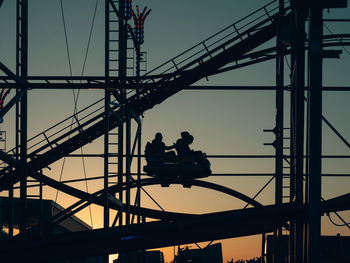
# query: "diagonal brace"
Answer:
x=16 y=98
x=114 y=8
x=9 y=160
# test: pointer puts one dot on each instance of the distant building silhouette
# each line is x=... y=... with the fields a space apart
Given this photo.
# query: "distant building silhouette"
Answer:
x=210 y=254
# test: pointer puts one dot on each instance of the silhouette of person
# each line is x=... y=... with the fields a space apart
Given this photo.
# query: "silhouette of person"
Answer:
x=156 y=149
x=182 y=146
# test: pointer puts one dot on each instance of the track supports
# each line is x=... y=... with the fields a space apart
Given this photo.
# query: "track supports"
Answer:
x=106 y=131
x=279 y=125
x=313 y=223
x=22 y=104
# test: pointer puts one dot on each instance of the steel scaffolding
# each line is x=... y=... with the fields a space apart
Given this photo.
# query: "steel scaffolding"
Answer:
x=298 y=201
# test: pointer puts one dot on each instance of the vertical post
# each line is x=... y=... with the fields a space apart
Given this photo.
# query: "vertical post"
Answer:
x=106 y=131
x=315 y=110
x=138 y=62
x=11 y=210
x=139 y=171
x=292 y=146
x=41 y=216
x=279 y=126
x=263 y=247
x=21 y=107
x=128 y=164
x=122 y=75
x=298 y=122
x=138 y=193
x=279 y=115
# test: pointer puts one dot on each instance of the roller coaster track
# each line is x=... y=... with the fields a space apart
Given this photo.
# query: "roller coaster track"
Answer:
x=152 y=213
x=157 y=234
x=166 y=216
x=95 y=82
x=175 y=228
x=192 y=65
x=207 y=227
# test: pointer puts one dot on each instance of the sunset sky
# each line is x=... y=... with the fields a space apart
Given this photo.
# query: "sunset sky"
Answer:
x=222 y=122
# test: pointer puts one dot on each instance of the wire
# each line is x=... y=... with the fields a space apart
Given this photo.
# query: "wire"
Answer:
x=76 y=102
x=66 y=37
x=90 y=35
x=132 y=178
x=261 y=190
x=71 y=73
x=76 y=96
x=288 y=64
x=345 y=223
x=330 y=31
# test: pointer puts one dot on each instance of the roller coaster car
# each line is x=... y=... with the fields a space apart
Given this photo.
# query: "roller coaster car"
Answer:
x=171 y=166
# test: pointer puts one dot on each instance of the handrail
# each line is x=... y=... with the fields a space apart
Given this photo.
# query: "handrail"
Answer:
x=69 y=123
x=209 y=46
x=269 y=8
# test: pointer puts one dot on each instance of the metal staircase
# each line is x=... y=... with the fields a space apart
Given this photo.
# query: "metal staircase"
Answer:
x=221 y=49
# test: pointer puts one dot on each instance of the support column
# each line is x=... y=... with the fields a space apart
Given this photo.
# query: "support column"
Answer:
x=298 y=76
x=279 y=129
x=128 y=168
x=139 y=151
x=106 y=131
x=279 y=116
x=11 y=210
x=139 y=170
x=315 y=142
x=122 y=77
x=22 y=105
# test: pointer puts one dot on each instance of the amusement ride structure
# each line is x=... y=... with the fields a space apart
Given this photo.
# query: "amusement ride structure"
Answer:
x=298 y=202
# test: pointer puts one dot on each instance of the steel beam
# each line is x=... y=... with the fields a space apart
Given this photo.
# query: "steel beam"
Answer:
x=297 y=126
x=279 y=113
x=22 y=105
x=106 y=119
x=313 y=226
x=122 y=84
x=128 y=167
x=65 y=86
x=151 y=235
x=279 y=104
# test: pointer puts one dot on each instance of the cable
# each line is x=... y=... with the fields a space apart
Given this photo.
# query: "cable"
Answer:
x=76 y=102
x=330 y=31
x=90 y=35
x=285 y=58
x=71 y=73
x=66 y=37
x=132 y=178
x=345 y=224
x=260 y=191
x=76 y=96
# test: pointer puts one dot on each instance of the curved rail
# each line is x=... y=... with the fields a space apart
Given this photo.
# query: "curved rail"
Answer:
x=86 y=132
x=98 y=198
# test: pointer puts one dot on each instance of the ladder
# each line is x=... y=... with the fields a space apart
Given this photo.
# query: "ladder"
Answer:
x=113 y=39
x=115 y=137
x=165 y=81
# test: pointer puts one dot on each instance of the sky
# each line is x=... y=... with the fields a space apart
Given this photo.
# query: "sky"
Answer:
x=222 y=122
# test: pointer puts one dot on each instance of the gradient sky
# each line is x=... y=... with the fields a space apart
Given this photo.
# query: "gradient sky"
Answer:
x=222 y=122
